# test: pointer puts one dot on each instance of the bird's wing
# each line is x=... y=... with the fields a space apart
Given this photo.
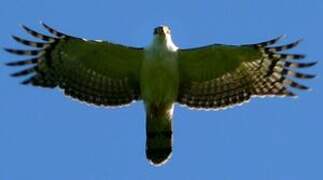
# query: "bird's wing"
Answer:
x=100 y=73
x=219 y=76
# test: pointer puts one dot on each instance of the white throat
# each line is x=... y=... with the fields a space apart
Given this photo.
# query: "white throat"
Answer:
x=163 y=42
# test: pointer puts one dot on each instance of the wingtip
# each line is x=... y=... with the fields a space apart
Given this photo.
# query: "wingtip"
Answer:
x=311 y=76
x=310 y=64
x=14 y=74
x=21 y=25
x=297 y=42
x=306 y=88
x=8 y=64
x=44 y=24
x=3 y=49
x=24 y=27
x=301 y=40
x=7 y=50
x=25 y=82
x=282 y=36
x=15 y=37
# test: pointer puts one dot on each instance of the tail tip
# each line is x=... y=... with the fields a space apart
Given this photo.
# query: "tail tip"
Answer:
x=158 y=157
x=159 y=161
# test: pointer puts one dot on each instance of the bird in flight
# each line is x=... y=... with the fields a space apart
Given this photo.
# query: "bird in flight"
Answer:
x=211 y=77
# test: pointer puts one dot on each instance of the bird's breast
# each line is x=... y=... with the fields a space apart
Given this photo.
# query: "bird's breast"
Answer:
x=159 y=77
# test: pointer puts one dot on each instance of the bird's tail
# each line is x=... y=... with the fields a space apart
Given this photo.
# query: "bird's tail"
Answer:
x=159 y=134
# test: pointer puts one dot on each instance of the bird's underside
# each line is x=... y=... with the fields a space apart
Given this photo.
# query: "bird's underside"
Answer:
x=210 y=77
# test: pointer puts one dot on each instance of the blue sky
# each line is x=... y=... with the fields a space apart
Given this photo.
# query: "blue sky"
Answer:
x=44 y=135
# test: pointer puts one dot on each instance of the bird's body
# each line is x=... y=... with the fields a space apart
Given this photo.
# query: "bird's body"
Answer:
x=209 y=77
x=159 y=72
x=159 y=86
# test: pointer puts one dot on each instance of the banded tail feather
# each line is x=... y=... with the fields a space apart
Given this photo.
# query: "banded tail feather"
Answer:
x=159 y=133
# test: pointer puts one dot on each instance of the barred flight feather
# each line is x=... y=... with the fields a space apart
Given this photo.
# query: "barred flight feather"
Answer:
x=24 y=62
x=267 y=76
x=24 y=52
x=30 y=43
x=38 y=35
x=76 y=80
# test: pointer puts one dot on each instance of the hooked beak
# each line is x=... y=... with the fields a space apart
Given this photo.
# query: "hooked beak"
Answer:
x=159 y=31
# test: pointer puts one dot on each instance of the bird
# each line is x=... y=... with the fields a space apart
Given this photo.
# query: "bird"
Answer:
x=210 y=77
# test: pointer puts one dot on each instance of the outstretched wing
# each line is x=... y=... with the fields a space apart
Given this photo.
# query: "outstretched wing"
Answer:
x=218 y=76
x=100 y=73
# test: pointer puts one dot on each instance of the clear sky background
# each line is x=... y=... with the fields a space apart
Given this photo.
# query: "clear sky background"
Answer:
x=46 y=136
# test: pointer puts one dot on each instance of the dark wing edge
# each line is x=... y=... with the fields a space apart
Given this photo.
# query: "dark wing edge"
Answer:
x=42 y=73
x=40 y=56
x=274 y=76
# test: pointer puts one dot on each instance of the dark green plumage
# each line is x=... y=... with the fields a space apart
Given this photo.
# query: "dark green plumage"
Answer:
x=219 y=76
x=82 y=69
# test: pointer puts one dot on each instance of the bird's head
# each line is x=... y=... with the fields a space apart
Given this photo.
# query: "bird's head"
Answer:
x=162 y=35
x=162 y=31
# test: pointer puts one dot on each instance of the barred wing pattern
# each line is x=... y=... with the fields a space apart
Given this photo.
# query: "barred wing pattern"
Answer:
x=96 y=72
x=219 y=76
